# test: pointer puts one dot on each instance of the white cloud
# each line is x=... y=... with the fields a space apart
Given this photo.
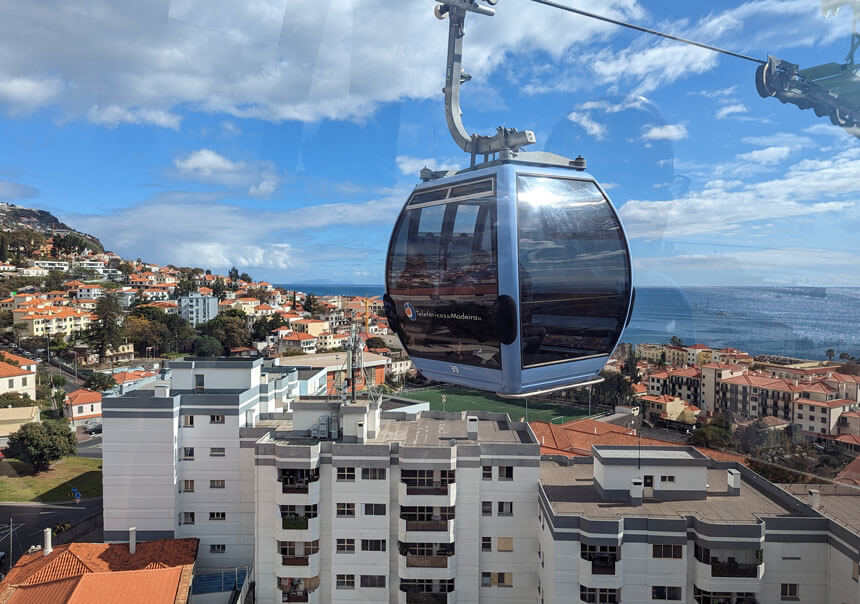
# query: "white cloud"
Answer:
x=14 y=191
x=713 y=94
x=781 y=139
x=768 y=155
x=806 y=188
x=114 y=115
x=145 y=62
x=411 y=166
x=671 y=132
x=260 y=179
x=732 y=109
x=592 y=127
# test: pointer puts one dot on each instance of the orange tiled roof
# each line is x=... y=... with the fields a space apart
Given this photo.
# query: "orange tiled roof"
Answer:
x=7 y=370
x=850 y=474
x=22 y=361
x=842 y=402
x=75 y=559
x=576 y=437
x=83 y=396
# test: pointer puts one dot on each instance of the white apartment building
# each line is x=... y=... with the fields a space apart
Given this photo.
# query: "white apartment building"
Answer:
x=669 y=524
x=196 y=308
x=52 y=265
x=342 y=503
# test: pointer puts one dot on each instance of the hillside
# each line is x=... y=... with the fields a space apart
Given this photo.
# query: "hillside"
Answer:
x=14 y=217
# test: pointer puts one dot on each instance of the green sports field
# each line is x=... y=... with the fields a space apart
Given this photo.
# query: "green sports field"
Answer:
x=464 y=399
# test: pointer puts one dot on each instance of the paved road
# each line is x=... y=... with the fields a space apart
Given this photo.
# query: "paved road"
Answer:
x=29 y=520
x=90 y=448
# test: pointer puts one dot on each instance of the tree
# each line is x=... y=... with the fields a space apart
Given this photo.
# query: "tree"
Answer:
x=676 y=341
x=259 y=293
x=233 y=274
x=146 y=334
x=662 y=362
x=41 y=443
x=206 y=346
x=830 y=354
x=630 y=370
x=100 y=381
x=228 y=329
x=376 y=342
x=185 y=287
x=844 y=356
x=15 y=399
x=260 y=329
x=218 y=288
x=54 y=281
x=106 y=332
x=6 y=318
x=717 y=433
x=126 y=268
x=246 y=278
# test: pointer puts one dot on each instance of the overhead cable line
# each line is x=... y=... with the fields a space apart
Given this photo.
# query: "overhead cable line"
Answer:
x=649 y=31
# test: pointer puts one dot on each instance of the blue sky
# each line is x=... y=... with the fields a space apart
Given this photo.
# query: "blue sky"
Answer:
x=282 y=137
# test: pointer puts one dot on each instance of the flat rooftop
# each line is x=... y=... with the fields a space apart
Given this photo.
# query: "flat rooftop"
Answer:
x=607 y=452
x=571 y=491
x=839 y=502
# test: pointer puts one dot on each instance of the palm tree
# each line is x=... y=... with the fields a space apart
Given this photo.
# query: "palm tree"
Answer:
x=844 y=356
x=830 y=353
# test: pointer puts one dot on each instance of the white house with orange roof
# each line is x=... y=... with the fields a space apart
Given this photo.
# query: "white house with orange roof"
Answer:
x=7 y=268
x=152 y=294
x=296 y=340
x=19 y=378
x=170 y=307
x=668 y=409
x=699 y=354
x=54 y=321
x=247 y=305
x=82 y=406
x=330 y=341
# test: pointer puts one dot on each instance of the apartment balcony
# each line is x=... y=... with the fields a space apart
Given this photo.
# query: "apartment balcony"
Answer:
x=426 y=567
x=299 y=494
x=728 y=576
x=297 y=589
x=299 y=528
x=426 y=598
x=426 y=531
x=428 y=496
x=602 y=571
x=308 y=565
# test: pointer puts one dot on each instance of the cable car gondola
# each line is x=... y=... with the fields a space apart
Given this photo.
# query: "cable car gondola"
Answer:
x=513 y=275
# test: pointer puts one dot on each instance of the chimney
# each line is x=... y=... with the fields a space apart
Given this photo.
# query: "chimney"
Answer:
x=360 y=432
x=636 y=491
x=48 y=548
x=162 y=390
x=132 y=539
x=472 y=427
x=814 y=499
x=734 y=482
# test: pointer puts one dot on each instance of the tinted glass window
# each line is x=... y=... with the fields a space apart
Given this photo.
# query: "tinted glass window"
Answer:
x=574 y=270
x=443 y=277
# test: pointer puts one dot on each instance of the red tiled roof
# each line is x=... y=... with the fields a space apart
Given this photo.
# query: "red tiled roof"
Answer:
x=850 y=474
x=22 y=361
x=83 y=396
x=8 y=370
x=842 y=402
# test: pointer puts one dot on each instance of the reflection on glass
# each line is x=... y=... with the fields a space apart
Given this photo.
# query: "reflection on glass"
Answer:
x=443 y=266
x=574 y=270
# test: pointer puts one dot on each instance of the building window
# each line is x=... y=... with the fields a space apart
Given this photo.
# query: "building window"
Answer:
x=92 y=408
x=345 y=582
x=188 y=453
x=216 y=419
x=659 y=592
x=217 y=548
x=373 y=473
x=506 y=472
x=486 y=508
x=345 y=510
x=374 y=509
x=345 y=546
x=216 y=484
x=486 y=544
x=217 y=515
x=505 y=544
x=188 y=421
x=373 y=580
x=344 y=473
x=80 y=408
x=11 y=383
x=217 y=452
x=506 y=508
x=373 y=545
x=666 y=550
x=187 y=486
x=188 y=518
x=487 y=472
x=599 y=595
x=504 y=579
x=788 y=591
x=486 y=579
x=667 y=479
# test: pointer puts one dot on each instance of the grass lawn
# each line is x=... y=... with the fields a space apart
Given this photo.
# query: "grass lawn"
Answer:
x=464 y=399
x=17 y=482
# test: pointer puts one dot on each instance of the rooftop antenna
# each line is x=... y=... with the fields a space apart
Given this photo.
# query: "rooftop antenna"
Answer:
x=505 y=138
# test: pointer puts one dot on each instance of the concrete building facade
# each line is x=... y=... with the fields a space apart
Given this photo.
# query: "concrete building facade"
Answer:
x=197 y=309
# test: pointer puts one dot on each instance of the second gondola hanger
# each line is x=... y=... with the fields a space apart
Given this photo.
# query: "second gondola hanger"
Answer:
x=512 y=275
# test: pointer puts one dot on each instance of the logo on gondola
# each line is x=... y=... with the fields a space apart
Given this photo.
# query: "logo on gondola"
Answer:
x=409 y=311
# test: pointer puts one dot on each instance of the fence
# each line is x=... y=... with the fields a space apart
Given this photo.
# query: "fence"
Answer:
x=84 y=527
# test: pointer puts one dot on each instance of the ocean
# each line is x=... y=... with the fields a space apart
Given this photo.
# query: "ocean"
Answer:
x=800 y=322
